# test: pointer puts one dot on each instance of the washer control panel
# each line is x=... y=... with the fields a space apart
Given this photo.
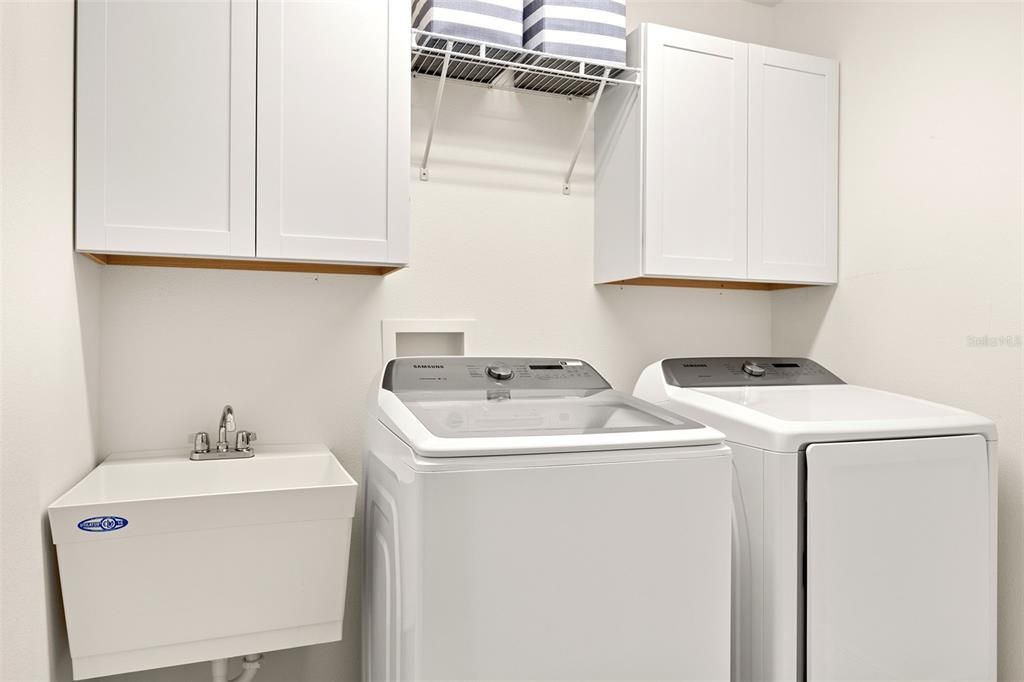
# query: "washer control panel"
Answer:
x=466 y=374
x=746 y=371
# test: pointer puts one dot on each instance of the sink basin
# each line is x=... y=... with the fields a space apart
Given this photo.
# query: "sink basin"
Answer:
x=292 y=471
x=164 y=560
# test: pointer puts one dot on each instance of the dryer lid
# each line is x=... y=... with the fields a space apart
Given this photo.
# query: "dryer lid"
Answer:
x=793 y=403
x=787 y=418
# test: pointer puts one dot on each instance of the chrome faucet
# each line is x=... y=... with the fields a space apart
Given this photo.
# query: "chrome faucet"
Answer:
x=227 y=423
x=243 y=440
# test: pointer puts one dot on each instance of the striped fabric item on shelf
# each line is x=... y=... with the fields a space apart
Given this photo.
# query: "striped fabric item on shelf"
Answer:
x=594 y=30
x=494 y=21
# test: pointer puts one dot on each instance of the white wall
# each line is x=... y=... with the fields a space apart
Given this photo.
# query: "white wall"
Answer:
x=735 y=19
x=48 y=351
x=930 y=225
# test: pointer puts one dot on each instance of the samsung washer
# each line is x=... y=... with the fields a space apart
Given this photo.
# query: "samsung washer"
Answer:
x=865 y=521
x=526 y=522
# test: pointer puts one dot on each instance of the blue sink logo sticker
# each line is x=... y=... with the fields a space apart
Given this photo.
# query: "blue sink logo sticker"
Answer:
x=102 y=524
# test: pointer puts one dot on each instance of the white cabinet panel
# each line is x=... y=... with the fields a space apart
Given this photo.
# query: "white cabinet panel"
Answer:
x=166 y=116
x=793 y=166
x=333 y=86
x=696 y=154
x=900 y=560
x=726 y=170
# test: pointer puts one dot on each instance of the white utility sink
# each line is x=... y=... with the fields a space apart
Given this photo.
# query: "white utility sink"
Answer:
x=165 y=560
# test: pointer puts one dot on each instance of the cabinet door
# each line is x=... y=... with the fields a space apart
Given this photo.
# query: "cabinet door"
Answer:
x=696 y=155
x=794 y=133
x=166 y=116
x=333 y=131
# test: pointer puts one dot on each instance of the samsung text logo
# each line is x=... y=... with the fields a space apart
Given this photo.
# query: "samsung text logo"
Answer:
x=428 y=366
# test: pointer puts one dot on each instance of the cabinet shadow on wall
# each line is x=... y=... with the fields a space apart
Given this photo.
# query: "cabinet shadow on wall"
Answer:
x=798 y=335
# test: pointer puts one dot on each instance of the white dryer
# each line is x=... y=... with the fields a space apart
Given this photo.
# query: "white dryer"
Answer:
x=525 y=522
x=865 y=522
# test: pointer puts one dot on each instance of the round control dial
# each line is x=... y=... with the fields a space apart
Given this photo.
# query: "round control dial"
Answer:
x=753 y=369
x=500 y=372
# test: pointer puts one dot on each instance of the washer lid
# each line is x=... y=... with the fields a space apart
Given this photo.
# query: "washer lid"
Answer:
x=787 y=418
x=451 y=407
x=532 y=413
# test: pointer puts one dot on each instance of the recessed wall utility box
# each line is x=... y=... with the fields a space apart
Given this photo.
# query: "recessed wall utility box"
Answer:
x=430 y=343
x=405 y=338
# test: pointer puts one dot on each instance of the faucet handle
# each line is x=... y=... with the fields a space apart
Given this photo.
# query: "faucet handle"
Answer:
x=243 y=440
x=201 y=442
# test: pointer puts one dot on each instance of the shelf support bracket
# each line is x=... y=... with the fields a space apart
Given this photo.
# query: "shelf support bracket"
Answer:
x=586 y=126
x=424 y=173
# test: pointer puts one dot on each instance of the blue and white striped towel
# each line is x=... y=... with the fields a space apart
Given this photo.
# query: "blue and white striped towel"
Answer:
x=494 y=21
x=585 y=29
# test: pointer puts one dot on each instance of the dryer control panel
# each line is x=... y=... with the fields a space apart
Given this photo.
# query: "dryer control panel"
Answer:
x=746 y=371
x=467 y=374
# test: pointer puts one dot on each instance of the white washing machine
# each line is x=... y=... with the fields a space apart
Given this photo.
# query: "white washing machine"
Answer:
x=525 y=522
x=865 y=522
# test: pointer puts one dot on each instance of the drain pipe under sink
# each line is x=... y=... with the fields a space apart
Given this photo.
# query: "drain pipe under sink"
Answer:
x=250 y=665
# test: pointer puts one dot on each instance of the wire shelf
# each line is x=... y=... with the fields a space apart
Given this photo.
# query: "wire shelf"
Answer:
x=503 y=67
x=498 y=66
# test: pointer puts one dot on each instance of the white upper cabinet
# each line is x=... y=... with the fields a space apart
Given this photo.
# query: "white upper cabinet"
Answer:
x=166 y=118
x=724 y=169
x=198 y=137
x=332 y=137
x=695 y=91
x=794 y=131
